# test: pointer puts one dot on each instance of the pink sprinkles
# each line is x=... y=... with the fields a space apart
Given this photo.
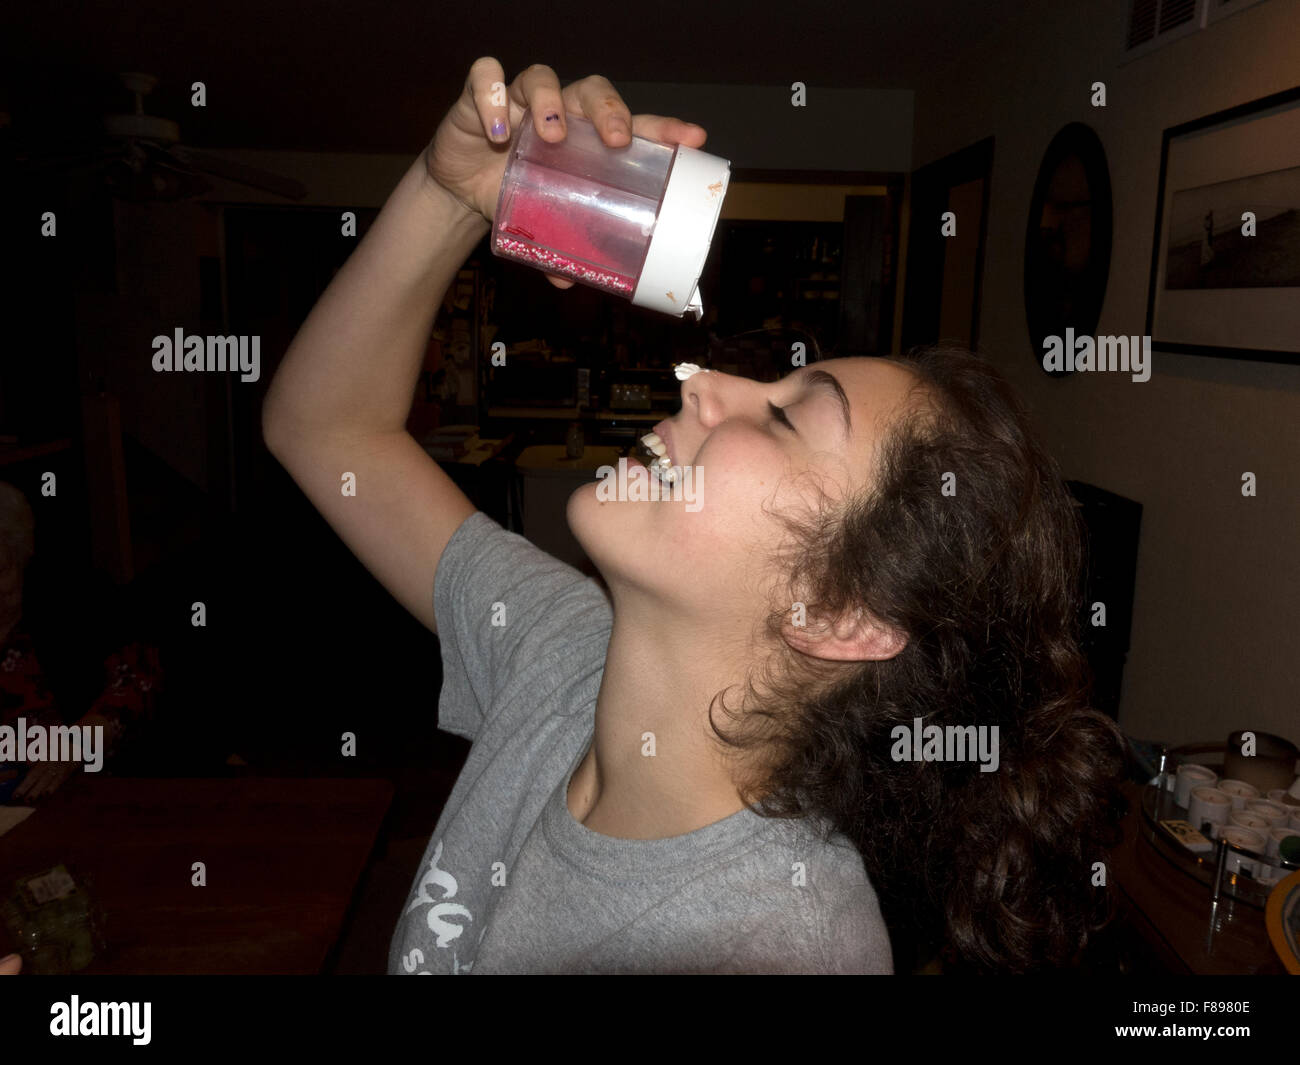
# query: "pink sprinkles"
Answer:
x=555 y=263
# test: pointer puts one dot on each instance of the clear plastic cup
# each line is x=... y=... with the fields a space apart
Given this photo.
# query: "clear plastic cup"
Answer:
x=634 y=221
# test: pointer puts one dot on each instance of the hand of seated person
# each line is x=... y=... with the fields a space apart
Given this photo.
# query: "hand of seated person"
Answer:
x=45 y=778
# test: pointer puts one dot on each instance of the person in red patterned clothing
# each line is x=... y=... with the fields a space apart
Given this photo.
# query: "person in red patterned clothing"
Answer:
x=132 y=677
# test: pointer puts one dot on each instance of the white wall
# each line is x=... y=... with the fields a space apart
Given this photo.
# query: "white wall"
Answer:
x=1216 y=642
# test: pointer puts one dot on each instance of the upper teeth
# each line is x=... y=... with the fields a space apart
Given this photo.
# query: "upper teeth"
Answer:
x=662 y=465
x=652 y=441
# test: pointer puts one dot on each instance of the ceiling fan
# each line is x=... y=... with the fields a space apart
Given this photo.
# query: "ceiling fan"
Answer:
x=140 y=158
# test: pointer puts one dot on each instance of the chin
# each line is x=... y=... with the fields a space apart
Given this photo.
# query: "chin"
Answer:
x=652 y=543
x=623 y=539
x=605 y=531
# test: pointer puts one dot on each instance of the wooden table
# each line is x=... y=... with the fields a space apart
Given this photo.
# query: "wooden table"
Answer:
x=283 y=856
x=1171 y=910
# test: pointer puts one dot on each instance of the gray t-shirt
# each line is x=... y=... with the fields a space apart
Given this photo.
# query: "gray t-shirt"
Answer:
x=511 y=882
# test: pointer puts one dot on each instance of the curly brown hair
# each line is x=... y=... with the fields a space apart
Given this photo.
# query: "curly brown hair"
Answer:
x=985 y=583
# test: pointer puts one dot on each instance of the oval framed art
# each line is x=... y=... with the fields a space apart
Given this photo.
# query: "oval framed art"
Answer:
x=1068 y=239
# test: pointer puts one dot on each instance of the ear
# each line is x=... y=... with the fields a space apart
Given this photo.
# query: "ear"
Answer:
x=852 y=637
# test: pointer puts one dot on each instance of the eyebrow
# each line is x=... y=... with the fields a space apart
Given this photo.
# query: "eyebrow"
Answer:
x=821 y=381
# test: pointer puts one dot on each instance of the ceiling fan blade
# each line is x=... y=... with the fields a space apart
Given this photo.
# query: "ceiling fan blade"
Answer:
x=160 y=156
x=72 y=174
x=37 y=158
x=245 y=175
x=149 y=173
x=155 y=182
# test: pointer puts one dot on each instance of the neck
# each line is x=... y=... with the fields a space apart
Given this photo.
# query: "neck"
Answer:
x=654 y=768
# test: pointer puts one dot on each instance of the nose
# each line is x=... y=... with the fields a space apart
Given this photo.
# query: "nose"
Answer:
x=700 y=394
x=713 y=396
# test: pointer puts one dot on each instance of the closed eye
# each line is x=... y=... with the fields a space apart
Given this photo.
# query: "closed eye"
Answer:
x=779 y=415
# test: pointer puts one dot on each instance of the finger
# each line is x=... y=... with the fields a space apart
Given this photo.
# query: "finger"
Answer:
x=57 y=779
x=560 y=282
x=26 y=784
x=669 y=130
x=11 y=965
x=537 y=90
x=596 y=98
x=39 y=784
x=485 y=87
x=48 y=778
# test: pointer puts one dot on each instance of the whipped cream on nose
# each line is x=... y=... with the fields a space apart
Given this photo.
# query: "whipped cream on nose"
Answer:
x=685 y=370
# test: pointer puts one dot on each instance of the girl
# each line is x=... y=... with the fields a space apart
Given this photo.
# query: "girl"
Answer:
x=702 y=771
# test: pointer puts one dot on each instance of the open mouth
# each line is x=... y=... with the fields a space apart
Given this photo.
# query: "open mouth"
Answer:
x=651 y=452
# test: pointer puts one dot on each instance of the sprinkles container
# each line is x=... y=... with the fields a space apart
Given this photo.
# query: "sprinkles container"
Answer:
x=635 y=221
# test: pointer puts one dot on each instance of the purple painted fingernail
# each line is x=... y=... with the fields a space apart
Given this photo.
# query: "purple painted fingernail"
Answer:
x=498 y=128
x=552 y=116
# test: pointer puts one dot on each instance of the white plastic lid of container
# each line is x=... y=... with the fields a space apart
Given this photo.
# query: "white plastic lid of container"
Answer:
x=683 y=232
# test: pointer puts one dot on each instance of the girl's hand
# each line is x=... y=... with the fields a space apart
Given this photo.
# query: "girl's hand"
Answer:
x=468 y=153
x=44 y=778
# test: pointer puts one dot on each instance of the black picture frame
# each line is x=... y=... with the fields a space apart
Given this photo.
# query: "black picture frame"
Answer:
x=1058 y=296
x=1257 y=111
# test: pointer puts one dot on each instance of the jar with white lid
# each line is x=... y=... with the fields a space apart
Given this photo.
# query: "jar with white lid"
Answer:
x=635 y=221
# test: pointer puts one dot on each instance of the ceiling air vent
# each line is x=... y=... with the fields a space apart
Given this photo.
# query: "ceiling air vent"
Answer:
x=1174 y=13
x=1152 y=23
x=1141 y=22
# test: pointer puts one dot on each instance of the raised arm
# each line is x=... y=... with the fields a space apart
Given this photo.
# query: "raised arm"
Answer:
x=342 y=394
x=340 y=399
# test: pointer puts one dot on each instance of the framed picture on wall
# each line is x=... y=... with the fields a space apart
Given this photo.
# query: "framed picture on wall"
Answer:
x=1225 y=265
x=1068 y=239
